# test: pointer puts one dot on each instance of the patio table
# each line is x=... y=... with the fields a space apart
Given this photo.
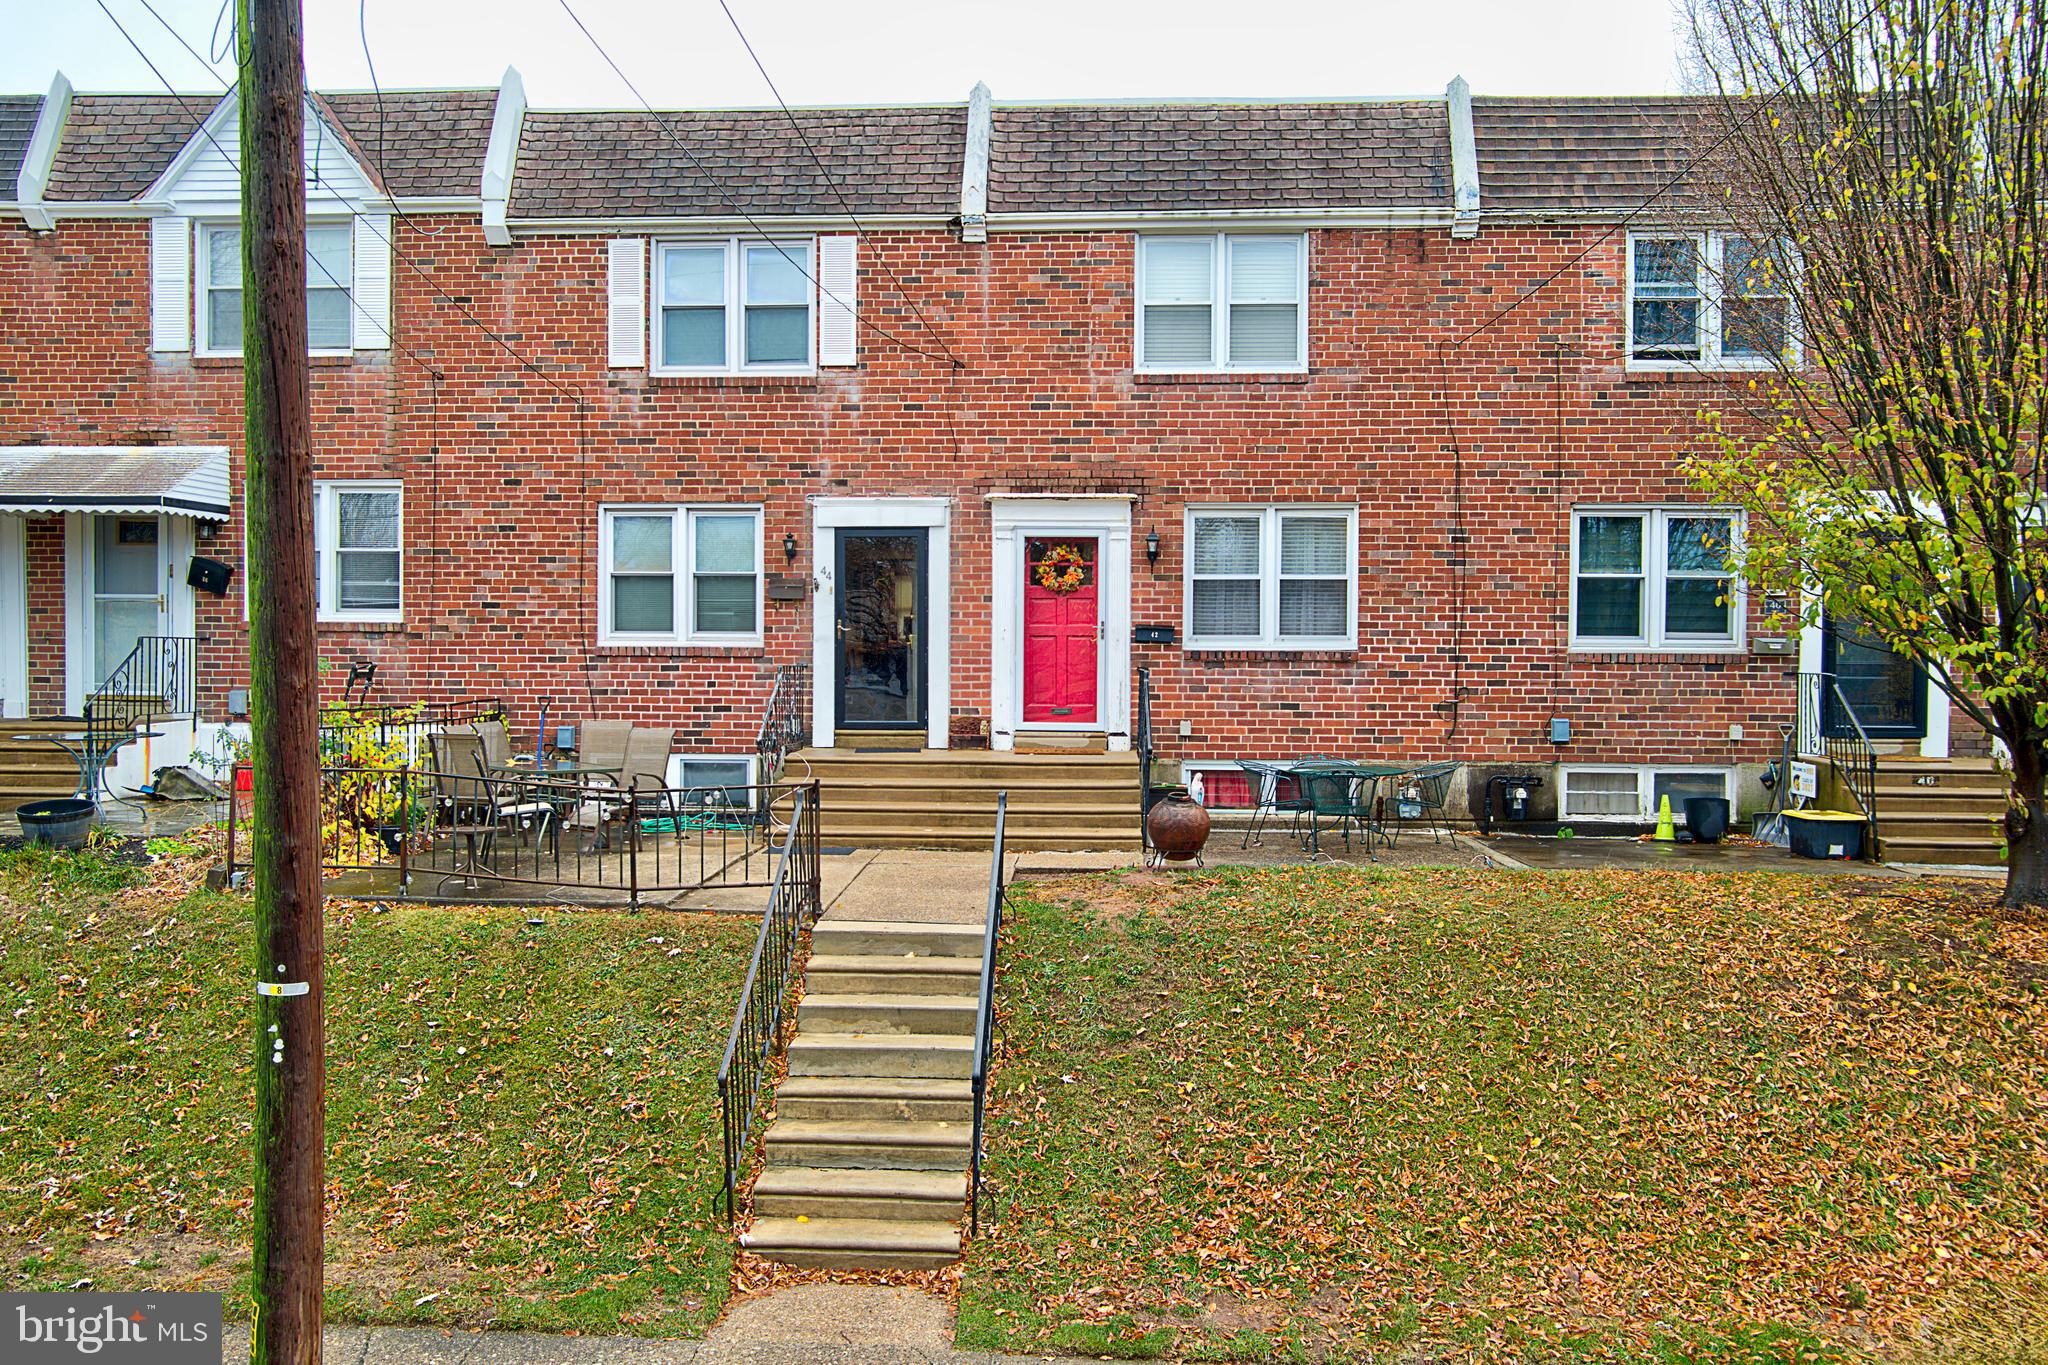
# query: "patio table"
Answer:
x=73 y=742
x=1365 y=779
x=565 y=786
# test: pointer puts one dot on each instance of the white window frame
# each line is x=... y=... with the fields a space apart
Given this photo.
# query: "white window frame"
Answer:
x=734 y=249
x=1708 y=248
x=1269 y=637
x=1645 y=775
x=683 y=519
x=327 y=494
x=202 y=285
x=1655 y=574
x=1219 y=307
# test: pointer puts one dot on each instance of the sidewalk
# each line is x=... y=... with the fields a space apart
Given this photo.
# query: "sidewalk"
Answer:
x=826 y=1324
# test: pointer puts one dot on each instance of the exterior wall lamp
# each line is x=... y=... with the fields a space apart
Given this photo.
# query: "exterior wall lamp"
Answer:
x=1152 y=547
x=789 y=547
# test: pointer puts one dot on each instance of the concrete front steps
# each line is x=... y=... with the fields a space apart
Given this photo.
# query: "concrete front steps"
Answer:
x=947 y=798
x=35 y=769
x=868 y=1153
x=1947 y=811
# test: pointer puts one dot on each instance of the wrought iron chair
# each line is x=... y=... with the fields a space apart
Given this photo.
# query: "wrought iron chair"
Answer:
x=1424 y=792
x=1274 y=779
x=1336 y=793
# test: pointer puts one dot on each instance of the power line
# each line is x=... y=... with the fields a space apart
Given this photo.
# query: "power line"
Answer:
x=837 y=193
x=1762 y=106
x=739 y=207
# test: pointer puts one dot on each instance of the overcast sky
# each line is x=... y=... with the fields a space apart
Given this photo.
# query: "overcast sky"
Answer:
x=683 y=52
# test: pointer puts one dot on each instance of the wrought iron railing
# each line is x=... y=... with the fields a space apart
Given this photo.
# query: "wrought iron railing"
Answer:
x=400 y=727
x=1829 y=728
x=765 y=999
x=787 y=724
x=985 y=1017
x=432 y=835
x=156 y=679
x=1142 y=741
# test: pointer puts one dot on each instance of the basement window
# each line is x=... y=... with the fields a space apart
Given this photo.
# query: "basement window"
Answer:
x=1631 y=795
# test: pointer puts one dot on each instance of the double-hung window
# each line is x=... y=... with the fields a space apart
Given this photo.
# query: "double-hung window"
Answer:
x=680 y=575
x=1272 y=577
x=357 y=534
x=1654 y=578
x=1709 y=300
x=1231 y=301
x=330 y=267
x=733 y=306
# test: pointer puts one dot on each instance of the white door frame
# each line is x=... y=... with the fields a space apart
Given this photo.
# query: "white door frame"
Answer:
x=1015 y=518
x=177 y=615
x=13 y=615
x=1935 y=743
x=828 y=517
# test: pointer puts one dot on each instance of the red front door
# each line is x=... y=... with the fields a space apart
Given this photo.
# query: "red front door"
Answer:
x=1062 y=608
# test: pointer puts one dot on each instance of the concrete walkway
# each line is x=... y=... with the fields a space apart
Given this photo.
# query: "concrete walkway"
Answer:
x=825 y=1324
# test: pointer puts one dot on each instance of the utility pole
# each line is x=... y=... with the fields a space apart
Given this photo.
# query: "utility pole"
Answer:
x=291 y=1072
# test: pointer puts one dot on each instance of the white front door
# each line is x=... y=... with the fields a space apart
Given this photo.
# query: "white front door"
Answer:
x=13 y=616
x=127 y=578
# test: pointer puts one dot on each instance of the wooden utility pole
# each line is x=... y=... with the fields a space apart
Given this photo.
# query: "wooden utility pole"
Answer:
x=291 y=1075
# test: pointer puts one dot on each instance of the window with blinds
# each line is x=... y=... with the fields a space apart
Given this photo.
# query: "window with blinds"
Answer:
x=1272 y=577
x=1654 y=578
x=1227 y=301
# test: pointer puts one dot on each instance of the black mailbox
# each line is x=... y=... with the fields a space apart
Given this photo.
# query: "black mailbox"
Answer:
x=1152 y=635
x=210 y=574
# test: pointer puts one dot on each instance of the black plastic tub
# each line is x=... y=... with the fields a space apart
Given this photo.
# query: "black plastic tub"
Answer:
x=60 y=824
x=1707 y=818
x=1825 y=833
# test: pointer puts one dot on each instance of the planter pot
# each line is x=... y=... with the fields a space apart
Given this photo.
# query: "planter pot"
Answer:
x=59 y=824
x=1179 y=826
x=1707 y=818
x=391 y=836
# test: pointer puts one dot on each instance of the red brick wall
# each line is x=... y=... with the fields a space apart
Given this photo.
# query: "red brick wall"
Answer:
x=1464 y=573
x=43 y=566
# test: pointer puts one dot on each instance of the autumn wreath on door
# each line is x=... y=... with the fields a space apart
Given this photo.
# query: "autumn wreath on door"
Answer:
x=1064 y=569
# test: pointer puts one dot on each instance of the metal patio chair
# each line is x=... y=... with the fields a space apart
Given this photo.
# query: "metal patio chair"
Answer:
x=1273 y=779
x=1336 y=793
x=1426 y=791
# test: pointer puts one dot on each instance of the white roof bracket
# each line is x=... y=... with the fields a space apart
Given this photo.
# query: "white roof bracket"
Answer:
x=1464 y=160
x=501 y=156
x=34 y=177
x=974 y=166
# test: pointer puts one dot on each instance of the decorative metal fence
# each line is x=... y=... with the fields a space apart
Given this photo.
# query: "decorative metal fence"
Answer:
x=401 y=728
x=787 y=723
x=455 y=836
x=765 y=1000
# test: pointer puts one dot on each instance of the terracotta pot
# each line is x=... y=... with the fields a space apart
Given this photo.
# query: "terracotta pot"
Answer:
x=1179 y=825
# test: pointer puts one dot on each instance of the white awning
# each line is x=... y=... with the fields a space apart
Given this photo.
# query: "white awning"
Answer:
x=177 y=481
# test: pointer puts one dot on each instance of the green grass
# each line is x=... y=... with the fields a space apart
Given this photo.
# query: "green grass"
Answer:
x=522 y=1122
x=1405 y=1114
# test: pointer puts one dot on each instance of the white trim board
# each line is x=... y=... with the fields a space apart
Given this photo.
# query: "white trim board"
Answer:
x=1012 y=521
x=828 y=517
x=13 y=616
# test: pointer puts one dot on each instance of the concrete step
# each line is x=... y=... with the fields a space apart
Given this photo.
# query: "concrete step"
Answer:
x=1930 y=776
x=816 y=1192
x=822 y=1013
x=868 y=974
x=882 y=1054
x=896 y=938
x=875 y=1097
x=854 y=1243
x=1966 y=798
x=1940 y=825
x=965 y=767
x=1945 y=852
x=870 y=1144
x=978 y=822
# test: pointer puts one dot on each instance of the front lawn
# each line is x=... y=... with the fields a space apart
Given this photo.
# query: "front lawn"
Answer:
x=522 y=1121
x=1409 y=1114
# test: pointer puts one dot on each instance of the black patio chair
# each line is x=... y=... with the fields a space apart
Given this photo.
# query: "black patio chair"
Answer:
x=1340 y=794
x=1273 y=780
x=1426 y=792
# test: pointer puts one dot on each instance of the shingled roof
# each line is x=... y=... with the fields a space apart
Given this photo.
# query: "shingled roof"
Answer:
x=1105 y=158
x=1583 y=155
x=115 y=146
x=884 y=161
x=17 y=125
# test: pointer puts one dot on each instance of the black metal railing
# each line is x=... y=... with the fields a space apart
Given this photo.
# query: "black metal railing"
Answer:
x=787 y=723
x=436 y=835
x=1829 y=728
x=985 y=1017
x=400 y=728
x=1142 y=741
x=156 y=679
x=765 y=1000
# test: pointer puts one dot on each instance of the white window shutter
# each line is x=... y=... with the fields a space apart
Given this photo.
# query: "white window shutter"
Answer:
x=626 y=304
x=170 y=284
x=838 y=328
x=372 y=309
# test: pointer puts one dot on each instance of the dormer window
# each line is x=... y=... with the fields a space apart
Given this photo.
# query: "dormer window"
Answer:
x=330 y=268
